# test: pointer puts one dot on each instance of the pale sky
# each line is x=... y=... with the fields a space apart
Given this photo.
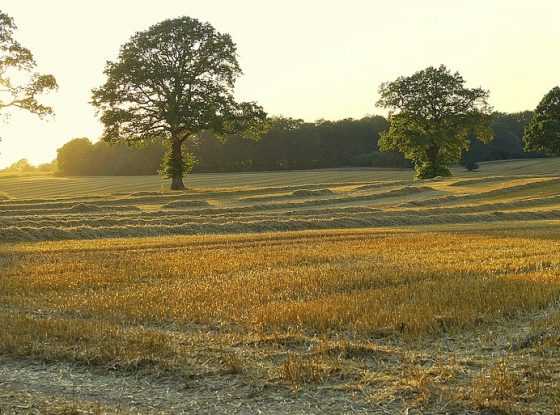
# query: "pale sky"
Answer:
x=308 y=59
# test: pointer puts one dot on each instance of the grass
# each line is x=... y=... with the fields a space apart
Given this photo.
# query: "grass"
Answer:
x=439 y=297
x=238 y=300
x=52 y=186
x=14 y=402
x=311 y=282
x=46 y=185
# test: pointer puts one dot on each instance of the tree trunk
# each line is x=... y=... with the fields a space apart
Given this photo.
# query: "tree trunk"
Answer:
x=434 y=166
x=432 y=153
x=430 y=168
x=177 y=165
x=177 y=183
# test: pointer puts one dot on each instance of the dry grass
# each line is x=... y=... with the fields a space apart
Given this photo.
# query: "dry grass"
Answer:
x=46 y=186
x=445 y=318
x=89 y=342
x=411 y=283
x=346 y=203
x=297 y=309
x=318 y=192
x=181 y=204
x=498 y=388
x=14 y=402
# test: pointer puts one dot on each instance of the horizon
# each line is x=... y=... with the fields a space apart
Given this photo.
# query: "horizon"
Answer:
x=286 y=72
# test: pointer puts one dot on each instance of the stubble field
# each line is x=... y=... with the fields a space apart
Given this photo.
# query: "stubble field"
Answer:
x=338 y=291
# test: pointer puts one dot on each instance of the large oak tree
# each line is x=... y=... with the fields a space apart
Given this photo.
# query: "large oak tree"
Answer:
x=174 y=81
x=20 y=84
x=432 y=114
x=543 y=132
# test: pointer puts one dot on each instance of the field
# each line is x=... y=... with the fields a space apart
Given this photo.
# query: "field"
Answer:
x=333 y=291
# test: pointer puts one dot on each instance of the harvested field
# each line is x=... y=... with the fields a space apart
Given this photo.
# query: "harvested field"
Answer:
x=181 y=204
x=318 y=192
x=347 y=202
x=362 y=292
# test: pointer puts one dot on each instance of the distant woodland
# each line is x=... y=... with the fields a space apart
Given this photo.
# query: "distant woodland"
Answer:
x=288 y=144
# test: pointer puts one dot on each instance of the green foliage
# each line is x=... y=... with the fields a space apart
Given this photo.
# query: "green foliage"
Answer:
x=73 y=158
x=543 y=132
x=429 y=169
x=471 y=165
x=432 y=115
x=80 y=157
x=288 y=144
x=174 y=166
x=469 y=158
x=16 y=59
x=173 y=81
x=51 y=167
x=20 y=166
x=24 y=166
x=294 y=144
x=508 y=130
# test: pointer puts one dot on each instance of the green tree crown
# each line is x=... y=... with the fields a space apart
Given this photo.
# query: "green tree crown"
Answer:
x=173 y=81
x=431 y=116
x=543 y=132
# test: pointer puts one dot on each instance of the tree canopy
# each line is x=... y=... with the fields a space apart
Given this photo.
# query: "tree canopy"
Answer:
x=18 y=60
x=173 y=81
x=80 y=157
x=543 y=132
x=432 y=114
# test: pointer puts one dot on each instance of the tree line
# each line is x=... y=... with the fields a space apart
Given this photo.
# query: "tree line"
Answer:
x=288 y=144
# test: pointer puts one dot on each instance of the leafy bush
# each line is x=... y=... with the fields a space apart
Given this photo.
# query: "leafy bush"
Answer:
x=471 y=165
x=429 y=170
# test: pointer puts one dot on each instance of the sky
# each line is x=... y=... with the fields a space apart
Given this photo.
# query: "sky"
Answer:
x=309 y=59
